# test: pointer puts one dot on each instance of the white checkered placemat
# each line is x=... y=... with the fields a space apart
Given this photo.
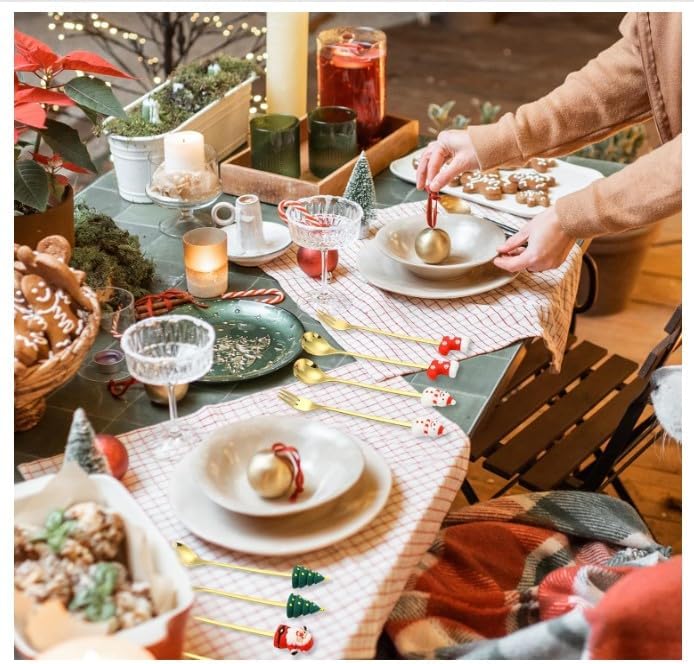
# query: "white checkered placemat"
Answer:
x=367 y=571
x=533 y=305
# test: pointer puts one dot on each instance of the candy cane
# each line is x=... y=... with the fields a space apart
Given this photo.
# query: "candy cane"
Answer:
x=307 y=217
x=275 y=295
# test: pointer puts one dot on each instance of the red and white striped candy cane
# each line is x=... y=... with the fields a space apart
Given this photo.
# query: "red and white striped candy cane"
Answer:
x=270 y=295
x=307 y=217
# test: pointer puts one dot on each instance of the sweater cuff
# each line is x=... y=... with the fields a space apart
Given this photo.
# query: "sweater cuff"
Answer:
x=578 y=214
x=496 y=144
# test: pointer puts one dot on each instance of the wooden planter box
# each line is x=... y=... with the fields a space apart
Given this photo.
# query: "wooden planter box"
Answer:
x=238 y=177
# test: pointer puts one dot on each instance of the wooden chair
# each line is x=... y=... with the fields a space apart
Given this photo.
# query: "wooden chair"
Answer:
x=578 y=429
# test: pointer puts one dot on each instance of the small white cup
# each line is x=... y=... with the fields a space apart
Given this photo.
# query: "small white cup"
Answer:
x=246 y=214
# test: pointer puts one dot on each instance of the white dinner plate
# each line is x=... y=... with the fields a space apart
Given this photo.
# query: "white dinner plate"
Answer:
x=569 y=177
x=331 y=462
x=287 y=535
x=385 y=273
x=277 y=241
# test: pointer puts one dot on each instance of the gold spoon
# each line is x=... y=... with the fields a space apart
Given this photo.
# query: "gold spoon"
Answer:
x=191 y=559
x=314 y=344
x=309 y=373
x=453 y=204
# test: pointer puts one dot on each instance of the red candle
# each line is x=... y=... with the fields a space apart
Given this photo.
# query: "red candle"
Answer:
x=351 y=72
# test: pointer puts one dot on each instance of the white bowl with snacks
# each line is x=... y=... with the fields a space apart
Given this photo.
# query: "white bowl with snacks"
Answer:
x=146 y=565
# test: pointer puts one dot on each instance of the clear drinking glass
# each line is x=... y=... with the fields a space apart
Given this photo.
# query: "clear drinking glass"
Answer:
x=168 y=350
x=333 y=222
x=106 y=361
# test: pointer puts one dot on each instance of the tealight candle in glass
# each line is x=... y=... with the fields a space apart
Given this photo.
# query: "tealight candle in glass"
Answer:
x=205 y=260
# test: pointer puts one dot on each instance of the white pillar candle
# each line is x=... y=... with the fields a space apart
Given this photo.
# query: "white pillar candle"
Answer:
x=184 y=151
x=205 y=260
x=287 y=62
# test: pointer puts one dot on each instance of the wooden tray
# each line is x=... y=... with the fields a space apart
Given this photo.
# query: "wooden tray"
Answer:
x=401 y=136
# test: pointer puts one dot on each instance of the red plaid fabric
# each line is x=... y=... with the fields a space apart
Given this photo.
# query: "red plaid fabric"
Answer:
x=367 y=571
x=533 y=305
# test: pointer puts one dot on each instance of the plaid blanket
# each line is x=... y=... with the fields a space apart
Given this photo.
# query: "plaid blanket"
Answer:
x=511 y=577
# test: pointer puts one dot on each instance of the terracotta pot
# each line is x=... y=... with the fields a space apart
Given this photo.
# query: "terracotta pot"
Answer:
x=29 y=229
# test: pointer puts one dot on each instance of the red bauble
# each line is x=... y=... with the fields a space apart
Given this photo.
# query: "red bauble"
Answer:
x=115 y=453
x=309 y=261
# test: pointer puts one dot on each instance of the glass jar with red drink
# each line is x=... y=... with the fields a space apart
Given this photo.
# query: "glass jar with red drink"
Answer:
x=351 y=72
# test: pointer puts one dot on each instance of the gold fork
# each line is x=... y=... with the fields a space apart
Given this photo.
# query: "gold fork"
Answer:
x=305 y=405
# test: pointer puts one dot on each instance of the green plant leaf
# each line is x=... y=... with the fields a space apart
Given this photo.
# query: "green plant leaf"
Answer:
x=31 y=184
x=65 y=141
x=95 y=95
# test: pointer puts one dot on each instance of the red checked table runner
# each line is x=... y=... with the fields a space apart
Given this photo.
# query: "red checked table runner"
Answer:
x=367 y=571
x=533 y=305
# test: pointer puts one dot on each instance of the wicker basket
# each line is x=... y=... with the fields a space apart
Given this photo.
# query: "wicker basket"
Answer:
x=32 y=386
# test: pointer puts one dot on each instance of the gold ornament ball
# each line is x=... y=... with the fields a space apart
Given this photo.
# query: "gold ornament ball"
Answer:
x=270 y=475
x=433 y=245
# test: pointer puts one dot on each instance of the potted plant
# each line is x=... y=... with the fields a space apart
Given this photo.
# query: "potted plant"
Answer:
x=43 y=198
x=211 y=96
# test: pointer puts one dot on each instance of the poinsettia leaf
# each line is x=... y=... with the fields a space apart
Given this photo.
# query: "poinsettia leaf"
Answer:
x=32 y=115
x=31 y=184
x=90 y=63
x=65 y=141
x=27 y=93
x=34 y=50
x=22 y=63
x=95 y=95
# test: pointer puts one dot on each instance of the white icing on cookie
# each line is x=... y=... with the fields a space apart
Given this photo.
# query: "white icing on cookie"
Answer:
x=435 y=396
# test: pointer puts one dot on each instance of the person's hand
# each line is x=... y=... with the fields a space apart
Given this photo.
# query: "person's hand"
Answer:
x=453 y=146
x=548 y=245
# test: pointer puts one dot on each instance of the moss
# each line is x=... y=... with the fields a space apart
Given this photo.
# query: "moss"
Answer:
x=110 y=256
x=199 y=90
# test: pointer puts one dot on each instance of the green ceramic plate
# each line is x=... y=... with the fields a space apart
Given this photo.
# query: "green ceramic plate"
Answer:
x=253 y=339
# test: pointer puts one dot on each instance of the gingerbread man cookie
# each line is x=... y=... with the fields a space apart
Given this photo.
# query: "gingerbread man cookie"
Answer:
x=56 y=246
x=541 y=164
x=52 y=305
x=532 y=180
x=533 y=197
x=30 y=343
x=491 y=185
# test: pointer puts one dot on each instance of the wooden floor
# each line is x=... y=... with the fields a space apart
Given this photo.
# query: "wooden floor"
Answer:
x=515 y=60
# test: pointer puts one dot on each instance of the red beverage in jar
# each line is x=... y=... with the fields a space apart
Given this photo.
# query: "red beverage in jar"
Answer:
x=351 y=72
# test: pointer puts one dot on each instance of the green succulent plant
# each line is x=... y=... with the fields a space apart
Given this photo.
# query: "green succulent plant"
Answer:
x=622 y=148
x=442 y=119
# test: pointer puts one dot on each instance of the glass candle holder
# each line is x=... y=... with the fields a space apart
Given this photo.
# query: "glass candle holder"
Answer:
x=205 y=260
x=351 y=73
x=275 y=144
x=332 y=138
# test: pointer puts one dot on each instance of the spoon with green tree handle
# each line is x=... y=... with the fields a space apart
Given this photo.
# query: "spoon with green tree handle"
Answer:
x=300 y=576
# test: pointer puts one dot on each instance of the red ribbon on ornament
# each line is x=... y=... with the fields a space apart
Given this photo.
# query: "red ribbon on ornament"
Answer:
x=432 y=208
x=280 y=449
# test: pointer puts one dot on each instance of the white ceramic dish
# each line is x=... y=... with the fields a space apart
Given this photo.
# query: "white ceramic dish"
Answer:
x=331 y=461
x=277 y=241
x=384 y=273
x=288 y=535
x=163 y=635
x=474 y=242
x=569 y=177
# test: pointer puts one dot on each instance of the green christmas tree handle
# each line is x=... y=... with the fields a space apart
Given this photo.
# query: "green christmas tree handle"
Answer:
x=302 y=577
x=298 y=606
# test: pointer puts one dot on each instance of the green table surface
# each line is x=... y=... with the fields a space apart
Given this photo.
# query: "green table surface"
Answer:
x=476 y=388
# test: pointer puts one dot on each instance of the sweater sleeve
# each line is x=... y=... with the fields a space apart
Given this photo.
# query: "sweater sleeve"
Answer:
x=608 y=94
x=642 y=193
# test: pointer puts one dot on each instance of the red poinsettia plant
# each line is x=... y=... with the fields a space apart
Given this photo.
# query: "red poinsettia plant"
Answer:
x=38 y=181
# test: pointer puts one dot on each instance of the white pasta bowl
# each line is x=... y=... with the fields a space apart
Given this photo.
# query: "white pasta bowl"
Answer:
x=474 y=242
x=331 y=461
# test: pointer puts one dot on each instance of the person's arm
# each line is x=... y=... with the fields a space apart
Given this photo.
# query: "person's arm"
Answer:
x=606 y=95
x=642 y=193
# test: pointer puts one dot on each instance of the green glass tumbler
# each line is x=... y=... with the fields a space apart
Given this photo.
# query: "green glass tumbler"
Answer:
x=275 y=144
x=332 y=138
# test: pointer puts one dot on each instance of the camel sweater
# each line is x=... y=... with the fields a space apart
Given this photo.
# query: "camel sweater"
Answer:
x=637 y=78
